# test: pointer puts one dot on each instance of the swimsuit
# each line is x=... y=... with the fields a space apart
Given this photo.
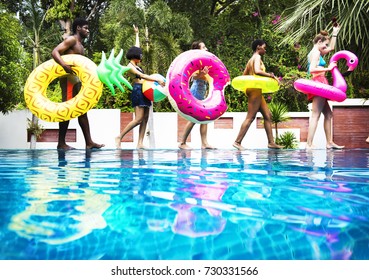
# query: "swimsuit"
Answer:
x=321 y=78
x=137 y=97
x=198 y=89
x=321 y=63
x=70 y=85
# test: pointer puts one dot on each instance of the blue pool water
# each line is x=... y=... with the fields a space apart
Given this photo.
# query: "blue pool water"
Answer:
x=180 y=205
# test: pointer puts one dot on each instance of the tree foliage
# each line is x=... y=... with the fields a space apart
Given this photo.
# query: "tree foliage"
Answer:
x=168 y=27
x=229 y=30
x=65 y=11
x=12 y=62
x=305 y=19
x=161 y=34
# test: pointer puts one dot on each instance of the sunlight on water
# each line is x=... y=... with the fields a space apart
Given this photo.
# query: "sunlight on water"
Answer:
x=173 y=204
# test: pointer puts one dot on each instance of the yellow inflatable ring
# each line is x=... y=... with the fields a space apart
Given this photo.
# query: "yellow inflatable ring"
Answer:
x=40 y=78
x=267 y=85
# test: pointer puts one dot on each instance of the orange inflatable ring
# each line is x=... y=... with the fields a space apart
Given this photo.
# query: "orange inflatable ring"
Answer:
x=40 y=78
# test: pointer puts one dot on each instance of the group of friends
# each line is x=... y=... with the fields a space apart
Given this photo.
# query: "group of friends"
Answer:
x=70 y=85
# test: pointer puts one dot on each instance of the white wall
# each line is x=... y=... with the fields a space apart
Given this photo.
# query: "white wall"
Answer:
x=105 y=126
x=13 y=130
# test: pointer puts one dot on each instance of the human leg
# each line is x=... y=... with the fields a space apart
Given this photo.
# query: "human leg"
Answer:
x=142 y=128
x=141 y=106
x=204 y=137
x=328 y=115
x=186 y=132
x=72 y=86
x=264 y=109
x=317 y=108
x=254 y=101
x=139 y=116
x=63 y=128
x=67 y=93
x=85 y=126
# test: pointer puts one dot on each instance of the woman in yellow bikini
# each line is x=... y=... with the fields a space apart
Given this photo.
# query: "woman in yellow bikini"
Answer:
x=256 y=101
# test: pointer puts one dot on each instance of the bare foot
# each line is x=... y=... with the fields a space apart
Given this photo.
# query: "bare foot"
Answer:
x=184 y=146
x=208 y=147
x=334 y=146
x=238 y=146
x=275 y=146
x=65 y=147
x=309 y=147
x=367 y=140
x=93 y=145
x=117 y=142
x=141 y=147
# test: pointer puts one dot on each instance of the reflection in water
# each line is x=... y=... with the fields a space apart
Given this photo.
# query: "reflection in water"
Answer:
x=187 y=204
x=198 y=214
x=61 y=206
x=319 y=212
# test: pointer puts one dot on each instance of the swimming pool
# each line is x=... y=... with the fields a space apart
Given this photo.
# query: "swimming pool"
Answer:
x=182 y=205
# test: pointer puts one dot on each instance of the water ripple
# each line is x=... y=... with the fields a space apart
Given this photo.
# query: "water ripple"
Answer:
x=173 y=204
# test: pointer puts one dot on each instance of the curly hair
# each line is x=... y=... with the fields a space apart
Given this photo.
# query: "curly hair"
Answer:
x=78 y=22
x=256 y=44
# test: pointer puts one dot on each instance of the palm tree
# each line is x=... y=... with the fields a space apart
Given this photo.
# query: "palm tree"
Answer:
x=305 y=19
x=161 y=31
x=279 y=113
x=34 y=19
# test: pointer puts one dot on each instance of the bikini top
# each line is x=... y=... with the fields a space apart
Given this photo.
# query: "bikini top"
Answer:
x=249 y=69
x=138 y=69
x=320 y=63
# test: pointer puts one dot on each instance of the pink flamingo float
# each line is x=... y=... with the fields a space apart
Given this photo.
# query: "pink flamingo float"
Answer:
x=337 y=91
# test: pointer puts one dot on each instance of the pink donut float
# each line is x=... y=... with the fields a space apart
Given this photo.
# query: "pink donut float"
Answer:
x=335 y=92
x=178 y=86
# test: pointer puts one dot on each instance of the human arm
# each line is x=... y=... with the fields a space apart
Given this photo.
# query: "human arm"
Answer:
x=60 y=49
x=137 y=42
x=140 y=75
x=201 y=74
x=333 y=40
x=314 y=64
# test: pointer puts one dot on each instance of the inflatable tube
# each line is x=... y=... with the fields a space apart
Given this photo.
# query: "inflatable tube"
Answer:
x=40 y=78
x=178 y=86
x=266 y=84
x=335 y=92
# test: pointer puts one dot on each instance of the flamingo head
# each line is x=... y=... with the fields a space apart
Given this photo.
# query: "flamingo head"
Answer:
x=351 y=59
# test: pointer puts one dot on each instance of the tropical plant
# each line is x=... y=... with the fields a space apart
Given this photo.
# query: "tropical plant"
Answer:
x=34 y=128
x=287 y=140
x=279 y=112
x=13 y=61
x=36 y=34
x=161 y=34
x=305 y=19
x=64 y=11
x=228 y=28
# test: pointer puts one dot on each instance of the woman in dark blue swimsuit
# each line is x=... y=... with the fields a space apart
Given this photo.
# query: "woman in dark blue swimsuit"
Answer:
x=140 y=103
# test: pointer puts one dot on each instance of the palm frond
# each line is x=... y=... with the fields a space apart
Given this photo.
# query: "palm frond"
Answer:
x=302 y=21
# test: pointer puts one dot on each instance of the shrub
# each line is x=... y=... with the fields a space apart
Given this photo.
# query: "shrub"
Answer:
x=288 y=140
